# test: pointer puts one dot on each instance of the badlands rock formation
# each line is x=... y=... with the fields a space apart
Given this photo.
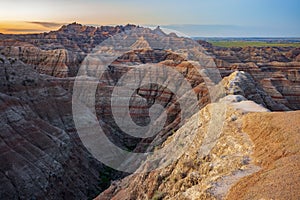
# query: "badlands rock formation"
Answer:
x=57 y=53
x=40 y=153
x=275 y=71
x=36 y=113
x=255 y=157
x=44 y=158
x=60 y=53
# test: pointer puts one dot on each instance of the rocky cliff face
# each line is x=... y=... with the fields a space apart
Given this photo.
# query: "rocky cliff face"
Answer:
x=41 y=155
x=57 y=62
x=275 y=71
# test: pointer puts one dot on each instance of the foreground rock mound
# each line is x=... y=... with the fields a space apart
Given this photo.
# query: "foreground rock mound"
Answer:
x=245 y=163
x=277 y=152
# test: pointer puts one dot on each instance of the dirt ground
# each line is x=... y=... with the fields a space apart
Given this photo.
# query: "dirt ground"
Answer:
x=276 y=137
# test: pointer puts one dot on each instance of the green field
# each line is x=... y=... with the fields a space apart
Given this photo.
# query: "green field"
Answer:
x=252 y=44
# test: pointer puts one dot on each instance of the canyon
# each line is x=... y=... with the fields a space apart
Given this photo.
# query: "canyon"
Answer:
x=44 y=157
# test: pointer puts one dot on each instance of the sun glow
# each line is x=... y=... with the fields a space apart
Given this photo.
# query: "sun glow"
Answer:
x=15 y=27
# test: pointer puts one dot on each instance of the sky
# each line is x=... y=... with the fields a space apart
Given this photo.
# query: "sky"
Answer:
x=204 y=18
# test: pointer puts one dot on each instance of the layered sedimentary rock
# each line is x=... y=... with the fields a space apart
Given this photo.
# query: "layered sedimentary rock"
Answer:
x=74 y=37
x=60 y=53
x=58 y=62
x=41 y=154
x=275 y=71
x=57 y=53
x=37 y=98
x=242 y=83
x=152 y=92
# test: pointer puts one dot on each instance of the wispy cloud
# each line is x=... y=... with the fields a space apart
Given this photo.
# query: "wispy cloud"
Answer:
x=21 y=30
x=46 y=24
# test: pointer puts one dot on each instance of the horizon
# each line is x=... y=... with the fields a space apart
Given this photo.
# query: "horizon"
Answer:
x=230 y=18
x=163 y=27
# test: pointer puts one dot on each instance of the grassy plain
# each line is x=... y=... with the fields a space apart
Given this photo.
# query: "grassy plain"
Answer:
x=253 y=44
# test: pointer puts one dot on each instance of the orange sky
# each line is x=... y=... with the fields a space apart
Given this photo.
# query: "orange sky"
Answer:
x=24 y=27
x=241 y=17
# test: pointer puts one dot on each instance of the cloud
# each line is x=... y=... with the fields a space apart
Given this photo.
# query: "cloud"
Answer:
x=47 y=24
x=22 y=30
